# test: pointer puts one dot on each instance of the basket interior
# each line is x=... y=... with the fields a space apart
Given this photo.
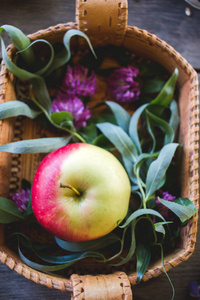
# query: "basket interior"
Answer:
x=16 y=167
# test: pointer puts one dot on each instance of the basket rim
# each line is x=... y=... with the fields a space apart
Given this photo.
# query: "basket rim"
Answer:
x=51 y=281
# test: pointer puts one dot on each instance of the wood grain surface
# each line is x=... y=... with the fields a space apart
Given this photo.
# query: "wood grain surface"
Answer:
x=166 y=19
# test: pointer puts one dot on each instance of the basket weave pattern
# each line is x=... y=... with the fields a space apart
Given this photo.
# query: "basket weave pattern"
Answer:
x=15 y=167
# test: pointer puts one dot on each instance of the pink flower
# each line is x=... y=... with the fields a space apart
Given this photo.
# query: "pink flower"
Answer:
x=74 y=106
x=78 y=82
x=123 y=86
x=21 y=199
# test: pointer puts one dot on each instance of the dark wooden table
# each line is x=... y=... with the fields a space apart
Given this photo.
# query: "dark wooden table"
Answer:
x=167 y=19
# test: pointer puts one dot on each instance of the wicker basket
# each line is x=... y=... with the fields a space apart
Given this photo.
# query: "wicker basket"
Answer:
x=105 y=21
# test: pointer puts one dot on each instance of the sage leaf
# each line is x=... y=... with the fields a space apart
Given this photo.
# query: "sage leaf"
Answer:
x=131 y=248
x=42 y=145
x=143 y=255
x=89 y=245
x=64 y=55
x=21 y=42
x=184 y=211
x=47 y=66
x=133 y=127
x=121 y=115
x=166 y=95
x=128 y=164
x=139 y=213
x=65 y=260
x=174 y=118
x=159 y=228
x=145 y=238
x=120 y=139
x=158 y=168
x=142 y=157
x=17 y=108
x=154 y=121
x=163 y=265
x=9 y=211
x=71 y=258
x=153 y=85
x=37 y=81
x=40 y=267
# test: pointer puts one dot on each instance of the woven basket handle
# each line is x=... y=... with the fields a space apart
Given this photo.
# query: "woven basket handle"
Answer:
x=115 y=286
x=105 y=20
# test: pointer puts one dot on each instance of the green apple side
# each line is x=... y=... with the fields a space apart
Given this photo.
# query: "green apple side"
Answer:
x=80 y=192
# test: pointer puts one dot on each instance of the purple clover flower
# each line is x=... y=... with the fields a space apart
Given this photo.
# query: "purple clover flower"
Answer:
x=194 y=289
x=78 y=82
x=123 y=86
x=21 y=199
x=74 y=106
x=163 y=210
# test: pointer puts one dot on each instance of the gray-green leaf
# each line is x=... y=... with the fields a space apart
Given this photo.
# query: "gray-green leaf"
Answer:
x=167 y=92
x=158 y=168
x=121 y=115
x=154 y=121
x=133 y=126
x=9 y=211
x=37 y=81
x=174 y=118
x=20 y=41
x=42 y=145
x=120 y=139
x=184 y=209
x=17 y=108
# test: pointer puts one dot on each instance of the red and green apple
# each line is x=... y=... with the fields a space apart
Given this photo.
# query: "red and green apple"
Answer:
x=80 y=192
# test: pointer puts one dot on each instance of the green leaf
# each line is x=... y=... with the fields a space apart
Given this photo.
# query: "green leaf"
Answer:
x=160 y=228
x=151 y=132
x=133 y=126
x=71 y=258
x=17 y=108
x=128 y=164
x=60 y=117
x=9 y=211
x=158 y=168
x=64 y=55
x=174 y=118
x=73 y=32
x=153 y=85
x=182 y=207
x=42 y=145
x=89 y=245
x=145 y=238
x=40 y=267
x=143 y=255
x=154 y=121
x=167 y=93
x=120 y=139
x=139 y=213
x=132 y=246
x=142 y=157
x=37 y=61
x=151 y=69
x=61 y=261
x=37 y=81
x=20 y=41
x=163 y=265
x=121 y=115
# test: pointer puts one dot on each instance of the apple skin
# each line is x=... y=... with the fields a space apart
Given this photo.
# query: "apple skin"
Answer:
x=98 y=176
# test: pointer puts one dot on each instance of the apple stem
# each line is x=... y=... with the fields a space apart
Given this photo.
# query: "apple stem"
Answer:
x=69 y=186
